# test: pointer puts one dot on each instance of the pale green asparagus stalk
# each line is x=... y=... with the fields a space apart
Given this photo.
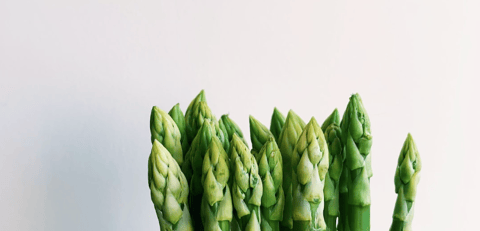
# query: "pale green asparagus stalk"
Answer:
x=197 y=112
x=165 y=130
x=259 y=134
x=177 y=116
x=270 y=166
x=246 y=186
x=310 y=166
x=169 y=190
x=286 y=142
x=216 y=201
x=276 y=124
x=357 y=139
x=407 y=177
x=229 y=127
x=333 y=134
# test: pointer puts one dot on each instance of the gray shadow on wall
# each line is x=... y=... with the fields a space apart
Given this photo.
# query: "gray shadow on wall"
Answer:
x=95 y=169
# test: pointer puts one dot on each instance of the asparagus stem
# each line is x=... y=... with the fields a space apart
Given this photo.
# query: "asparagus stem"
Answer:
x=331 y=221
x=343 y=219
x=397 y=225
x=359 y=218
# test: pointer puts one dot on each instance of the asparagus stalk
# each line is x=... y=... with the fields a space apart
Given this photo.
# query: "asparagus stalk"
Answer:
x=270 y=167
x=216 y=201
x=332 y=131
x=193 y=168
x=169 y=190
x=276 y=124
x=310 y=166
x=357 y=139
x=229 y=127
x=246 y=186
x=407 y=177
x=177 y=116
x=343 y=199
x=259 y=134
x=165 y=130
x=286 y=142
x=197 y=112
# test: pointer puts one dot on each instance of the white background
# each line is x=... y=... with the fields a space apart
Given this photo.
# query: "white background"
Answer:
x=78 y=80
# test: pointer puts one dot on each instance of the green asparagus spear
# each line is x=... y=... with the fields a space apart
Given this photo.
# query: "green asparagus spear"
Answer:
x=357 y=139
x=286 y=142
x=259 y=134
x=197 y=112
x=192 y=168
x=216 y=201
x=229 y=127
x=246 y=186
x=276 y=124
x=177 y=116
x=310 y=166
x=169 y=190
x=270 y=167
x=165 y=130
x=333 y=133
x=407 y=177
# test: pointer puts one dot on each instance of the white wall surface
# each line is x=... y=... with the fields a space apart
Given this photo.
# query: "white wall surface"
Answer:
x=78 y=80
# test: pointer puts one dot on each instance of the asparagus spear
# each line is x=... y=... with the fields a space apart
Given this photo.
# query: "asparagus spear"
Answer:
x=286 y=142
x=357 y=139
x=277 y=122
x=177 y=116
x=333 y=134
x=169 y=190
x=197 y=112
x=193 y=168
x=216 y=201
x=165 y=130
x=310 y=166
x=270 y=167
x=229 y=127
x=259 y=134
x=407 y=177
x=246 y=186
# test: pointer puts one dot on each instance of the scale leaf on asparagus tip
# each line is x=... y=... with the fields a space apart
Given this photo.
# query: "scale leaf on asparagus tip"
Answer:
x=177 y=116
x=276 y=123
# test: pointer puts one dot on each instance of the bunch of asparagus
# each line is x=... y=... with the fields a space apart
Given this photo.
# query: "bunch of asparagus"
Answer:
x=203 y=175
